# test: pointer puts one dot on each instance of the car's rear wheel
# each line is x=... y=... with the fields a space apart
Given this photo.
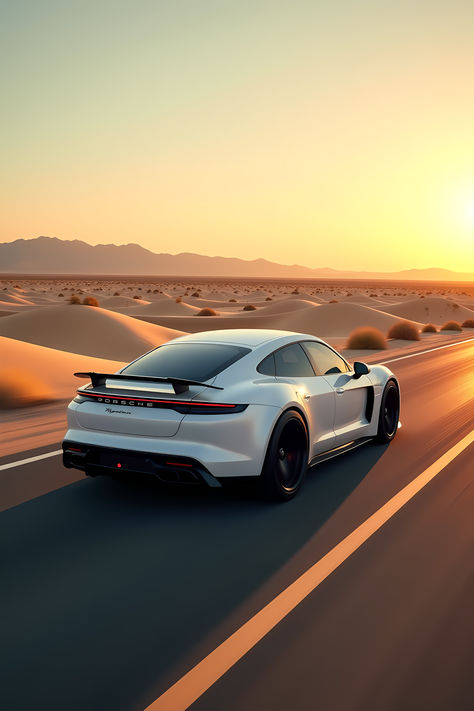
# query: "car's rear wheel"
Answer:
x=286 y=460
x=389 y=413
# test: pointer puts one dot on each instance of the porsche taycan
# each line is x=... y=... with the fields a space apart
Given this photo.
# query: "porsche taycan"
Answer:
x=208 y=407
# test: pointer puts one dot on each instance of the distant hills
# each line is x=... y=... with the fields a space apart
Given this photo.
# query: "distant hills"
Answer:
x=50 y=255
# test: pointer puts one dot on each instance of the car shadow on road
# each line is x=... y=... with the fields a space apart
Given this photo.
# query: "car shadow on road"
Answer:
x=144 y=577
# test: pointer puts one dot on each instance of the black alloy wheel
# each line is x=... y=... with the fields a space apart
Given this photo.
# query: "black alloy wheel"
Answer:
x=389 y=413
x=286 y=461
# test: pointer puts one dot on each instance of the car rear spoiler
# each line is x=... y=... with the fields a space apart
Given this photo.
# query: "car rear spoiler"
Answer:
x=180 y=385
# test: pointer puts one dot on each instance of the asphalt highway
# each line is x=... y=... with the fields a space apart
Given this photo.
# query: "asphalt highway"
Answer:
x=112 y=591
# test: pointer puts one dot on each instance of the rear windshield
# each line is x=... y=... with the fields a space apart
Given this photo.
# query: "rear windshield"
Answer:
x=193 y=361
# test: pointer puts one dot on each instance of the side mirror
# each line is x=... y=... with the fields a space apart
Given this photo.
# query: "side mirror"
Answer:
x=360 y=369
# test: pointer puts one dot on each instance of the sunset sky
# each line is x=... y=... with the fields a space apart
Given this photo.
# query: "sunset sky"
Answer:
x=336 y=133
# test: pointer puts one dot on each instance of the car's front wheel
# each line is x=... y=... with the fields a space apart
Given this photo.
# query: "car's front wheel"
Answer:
x=286 y=460
x=389 y=413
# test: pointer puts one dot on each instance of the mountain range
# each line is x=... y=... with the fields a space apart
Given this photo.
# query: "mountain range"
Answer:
x=50 y=255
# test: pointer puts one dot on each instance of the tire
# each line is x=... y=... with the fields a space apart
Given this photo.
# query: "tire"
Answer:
x=286 y=460
x=389 y=413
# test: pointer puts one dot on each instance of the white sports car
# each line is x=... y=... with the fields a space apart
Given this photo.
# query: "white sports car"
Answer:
x=230 y=403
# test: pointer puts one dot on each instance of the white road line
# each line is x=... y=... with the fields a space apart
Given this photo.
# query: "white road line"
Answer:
x=18 y=463
x=201 y=677
x=438 y=348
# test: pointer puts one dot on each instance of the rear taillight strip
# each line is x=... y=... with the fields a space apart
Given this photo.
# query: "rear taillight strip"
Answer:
x=183 y=403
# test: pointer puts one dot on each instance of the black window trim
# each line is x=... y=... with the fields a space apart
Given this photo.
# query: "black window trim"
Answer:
x=326 y=345
x=300 y=343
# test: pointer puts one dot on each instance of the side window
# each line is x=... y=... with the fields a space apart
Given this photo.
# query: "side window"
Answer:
x=324 y=360
x=267 y=366
x=292 y=361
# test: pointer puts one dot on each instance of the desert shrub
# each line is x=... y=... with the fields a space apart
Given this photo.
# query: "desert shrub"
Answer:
x=366 y=338
x=468 y=323
x=196 y=294
x=249 y=307
x=374 y=295
x=349 y=293
x=90 y=301
x=156 y=291
x=233 y=301
x=334 y=301
x=451 y=326
x=429 y=328
x=73 y=299
x=137 y=296
x=405 y=330
x=455 y=306
x=206 y=312
x=179 y=299
x=269 y=298
x=61 y=295
x=295 y=291
x=116 y=293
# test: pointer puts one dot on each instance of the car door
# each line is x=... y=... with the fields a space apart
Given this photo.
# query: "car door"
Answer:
x=352 y=395
x=292 y=365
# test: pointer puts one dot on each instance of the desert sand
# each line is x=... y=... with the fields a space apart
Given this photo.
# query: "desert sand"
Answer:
x=44 y=338
x=87 y=330
x=45 y=374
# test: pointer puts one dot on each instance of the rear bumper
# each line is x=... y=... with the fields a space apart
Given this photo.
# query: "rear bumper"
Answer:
x=223 y=445
x=108 y=461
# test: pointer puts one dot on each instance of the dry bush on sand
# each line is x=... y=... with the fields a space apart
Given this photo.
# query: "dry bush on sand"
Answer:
x=206 y=312
x=366 y=338
x=249 y=307
x=74 y=299
x=451 y=326
x=90 y=301
x=429 y=328
x=468 y=323
x=404 y=330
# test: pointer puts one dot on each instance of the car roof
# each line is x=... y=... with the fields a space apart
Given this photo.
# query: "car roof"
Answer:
x=252 y=337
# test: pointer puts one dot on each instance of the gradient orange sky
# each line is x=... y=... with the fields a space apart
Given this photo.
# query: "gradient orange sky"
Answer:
x=326 y=134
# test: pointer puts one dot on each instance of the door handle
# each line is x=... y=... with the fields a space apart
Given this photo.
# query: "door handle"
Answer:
x=340 y=391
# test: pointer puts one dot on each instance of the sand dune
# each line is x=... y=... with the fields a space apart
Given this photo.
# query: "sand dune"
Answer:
x=364 y=300
x=220 y=303
x=283 y=306
x=165 y=307
x=432 y=309
x=324 y=320
x=86 y=330
x=120 y=302
x=14 y=299
x=304 y=296
x=47 y=372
